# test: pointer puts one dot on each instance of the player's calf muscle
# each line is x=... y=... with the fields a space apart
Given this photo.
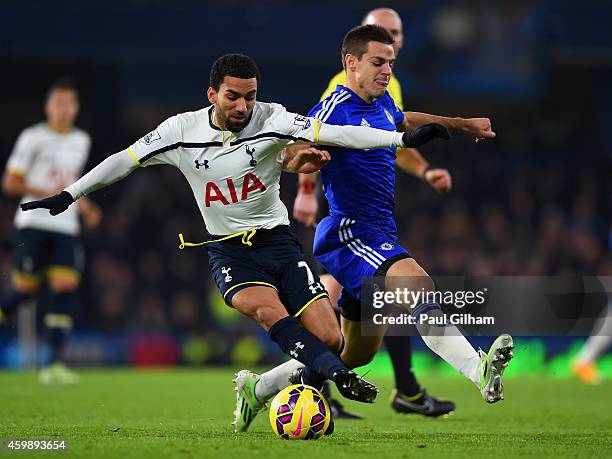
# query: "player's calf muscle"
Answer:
x=319 y=319
x=360 y=354
x=358 y=349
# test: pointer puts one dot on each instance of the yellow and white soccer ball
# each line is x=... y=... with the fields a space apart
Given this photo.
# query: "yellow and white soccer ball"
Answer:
x=299 y=412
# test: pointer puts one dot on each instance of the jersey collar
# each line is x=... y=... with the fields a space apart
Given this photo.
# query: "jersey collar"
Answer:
x=211 y=110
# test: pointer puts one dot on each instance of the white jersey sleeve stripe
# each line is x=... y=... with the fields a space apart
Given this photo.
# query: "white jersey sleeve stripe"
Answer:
x=324 y=113
x=336 y=103
x=326 y=104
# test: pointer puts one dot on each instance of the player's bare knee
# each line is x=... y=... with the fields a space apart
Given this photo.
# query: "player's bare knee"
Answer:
x=264 y=310
x=408 y=274
x=269 y=315
x=25 y=288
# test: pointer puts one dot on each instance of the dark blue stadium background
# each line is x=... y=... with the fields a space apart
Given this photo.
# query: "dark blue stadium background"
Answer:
x=534 y=201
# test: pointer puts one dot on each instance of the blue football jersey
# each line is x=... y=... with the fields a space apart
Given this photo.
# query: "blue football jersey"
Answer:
x=359 y=184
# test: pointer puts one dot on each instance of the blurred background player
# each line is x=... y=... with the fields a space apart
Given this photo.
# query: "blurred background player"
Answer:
x=584 y=366
x=47 y=157
x=408 y=396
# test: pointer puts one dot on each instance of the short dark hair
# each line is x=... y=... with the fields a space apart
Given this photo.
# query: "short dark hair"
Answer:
x=356 y=40
x=234 y=65
x=66 y=83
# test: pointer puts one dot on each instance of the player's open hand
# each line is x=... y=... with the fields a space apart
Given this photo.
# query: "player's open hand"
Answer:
x=56 y=203
x=479 y=128
x=439 y=179
x=424 y=134
x=306 y=161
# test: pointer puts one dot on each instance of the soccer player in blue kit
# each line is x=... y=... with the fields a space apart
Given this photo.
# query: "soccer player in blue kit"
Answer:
x=359 y=238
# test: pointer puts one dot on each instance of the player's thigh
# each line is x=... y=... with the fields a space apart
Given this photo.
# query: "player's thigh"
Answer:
x=260 y=303
x=359 y=349
x=299 y=285
x=233 y=270
x=352 y=252
x=65 y=263
x=320 y=319
x=333 y=288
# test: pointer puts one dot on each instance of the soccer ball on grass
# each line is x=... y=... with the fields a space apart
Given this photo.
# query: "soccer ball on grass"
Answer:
x=299 y=412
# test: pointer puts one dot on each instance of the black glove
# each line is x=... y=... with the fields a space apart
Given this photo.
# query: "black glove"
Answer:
x=56 y=203
x=424 y=134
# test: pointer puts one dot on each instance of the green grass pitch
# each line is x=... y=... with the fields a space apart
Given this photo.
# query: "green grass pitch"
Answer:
x=187 y=413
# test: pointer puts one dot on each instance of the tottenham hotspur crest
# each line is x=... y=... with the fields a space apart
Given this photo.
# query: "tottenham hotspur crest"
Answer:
x=251 y=151
x=226 y=270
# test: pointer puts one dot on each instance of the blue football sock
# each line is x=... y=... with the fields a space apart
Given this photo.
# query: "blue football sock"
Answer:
x=58 y=320
x=312 y=378
x=400 y=352
x=56 y=338
x=297 y=342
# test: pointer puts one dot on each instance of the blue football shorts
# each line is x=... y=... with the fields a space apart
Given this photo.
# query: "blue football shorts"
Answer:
x=351 y=250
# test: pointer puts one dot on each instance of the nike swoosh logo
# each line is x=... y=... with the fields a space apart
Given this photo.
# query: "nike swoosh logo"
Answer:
x=425 y=407
x=298 y=430
x=428 y=407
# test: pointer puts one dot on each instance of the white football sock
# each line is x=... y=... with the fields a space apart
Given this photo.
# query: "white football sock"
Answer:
x=457 y=352
x=596 y=345
x=275 y=380
x=450 y=344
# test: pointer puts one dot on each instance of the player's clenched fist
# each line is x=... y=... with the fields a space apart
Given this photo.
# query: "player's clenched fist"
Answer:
x=479 y=128
x=56 y=203
x=439 y=179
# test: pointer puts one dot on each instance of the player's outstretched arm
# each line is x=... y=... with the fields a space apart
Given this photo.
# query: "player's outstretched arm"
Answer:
x=361 y=137
x=109 y=171
x=311 y=130
x=480 y=128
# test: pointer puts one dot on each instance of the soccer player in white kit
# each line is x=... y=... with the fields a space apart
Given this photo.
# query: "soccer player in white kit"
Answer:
x=231 y=153
x=46 y=157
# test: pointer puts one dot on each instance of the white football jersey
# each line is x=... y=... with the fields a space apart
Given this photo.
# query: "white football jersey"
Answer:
x=47 y=159
x=234 y=176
